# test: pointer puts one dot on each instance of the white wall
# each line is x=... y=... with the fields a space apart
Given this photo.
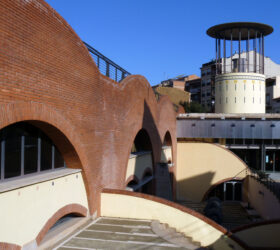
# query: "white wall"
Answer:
x=166 y=154
x=138 y=163
x=186 y=222
x=24 y=211
x=240 y=93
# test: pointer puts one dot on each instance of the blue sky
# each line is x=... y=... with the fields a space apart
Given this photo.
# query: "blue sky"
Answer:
x=162 y=39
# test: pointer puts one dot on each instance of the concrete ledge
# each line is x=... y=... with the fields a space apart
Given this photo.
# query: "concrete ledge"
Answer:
x=35 y=178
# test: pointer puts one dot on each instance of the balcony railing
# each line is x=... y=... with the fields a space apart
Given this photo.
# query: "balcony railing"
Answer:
x=106 y=66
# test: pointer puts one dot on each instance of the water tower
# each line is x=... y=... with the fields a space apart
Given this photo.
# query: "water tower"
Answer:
x=240 y=79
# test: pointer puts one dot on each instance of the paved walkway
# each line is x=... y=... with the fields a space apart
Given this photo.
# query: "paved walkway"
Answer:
x=114 y=233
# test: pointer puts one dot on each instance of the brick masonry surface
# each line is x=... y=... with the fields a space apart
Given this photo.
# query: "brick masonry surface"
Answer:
x=49 y=79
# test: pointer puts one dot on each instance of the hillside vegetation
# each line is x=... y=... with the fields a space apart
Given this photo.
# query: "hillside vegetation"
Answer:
x=177 y=96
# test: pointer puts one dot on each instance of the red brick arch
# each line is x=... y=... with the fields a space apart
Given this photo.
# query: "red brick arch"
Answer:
x=132 y=138
x=51 y=81
x=52 y=123
x=167 y=124
x=9 y=246
x=68 y=209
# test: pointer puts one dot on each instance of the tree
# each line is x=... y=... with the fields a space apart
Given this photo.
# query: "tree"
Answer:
x=193 y=107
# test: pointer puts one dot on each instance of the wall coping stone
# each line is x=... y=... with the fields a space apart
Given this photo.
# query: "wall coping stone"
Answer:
x=28 y=180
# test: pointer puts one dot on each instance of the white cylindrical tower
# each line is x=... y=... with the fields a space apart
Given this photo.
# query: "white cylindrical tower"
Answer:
x=240 y=79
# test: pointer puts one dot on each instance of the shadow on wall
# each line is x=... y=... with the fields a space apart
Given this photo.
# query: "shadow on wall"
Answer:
x=147 y=140
x=193 y=189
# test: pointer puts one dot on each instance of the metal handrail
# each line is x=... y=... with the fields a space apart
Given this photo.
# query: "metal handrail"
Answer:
x=106 y=66
x=264 y=178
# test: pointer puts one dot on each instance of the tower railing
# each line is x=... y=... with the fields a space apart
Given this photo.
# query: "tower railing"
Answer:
x=239 y=68
x=106 y=66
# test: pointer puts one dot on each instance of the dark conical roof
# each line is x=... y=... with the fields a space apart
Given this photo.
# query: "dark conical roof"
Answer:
x=226 y=29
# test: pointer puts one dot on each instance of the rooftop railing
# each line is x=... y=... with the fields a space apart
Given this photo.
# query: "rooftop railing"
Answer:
x=106 y=66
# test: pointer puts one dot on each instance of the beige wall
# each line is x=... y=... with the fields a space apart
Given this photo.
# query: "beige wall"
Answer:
x=128 y=206
x=261 y=236
x=24 y=211
x=231 y=89
x=166 y=154
x=137 y=164
x=200 y=165
x=262 y=199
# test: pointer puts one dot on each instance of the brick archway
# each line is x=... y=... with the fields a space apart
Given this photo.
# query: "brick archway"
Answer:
x=55 y=125
x=69 y=209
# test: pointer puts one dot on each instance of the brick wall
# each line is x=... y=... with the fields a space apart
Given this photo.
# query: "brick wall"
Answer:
x=48 y=78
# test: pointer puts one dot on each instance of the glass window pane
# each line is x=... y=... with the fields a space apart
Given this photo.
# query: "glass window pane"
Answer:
x=30 y=154
x=269 y=160
x=277 y=160
x=58 y=160
x=46 y=153
x=12 y=156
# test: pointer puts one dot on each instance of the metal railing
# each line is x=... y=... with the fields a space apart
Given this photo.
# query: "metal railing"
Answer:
x=264 y=178
x=239 y=68
x=106 y=66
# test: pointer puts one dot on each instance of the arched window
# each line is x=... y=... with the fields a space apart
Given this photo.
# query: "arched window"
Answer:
x=141 y=142
x=25 y=149
x=166 y=151
x=141 y=159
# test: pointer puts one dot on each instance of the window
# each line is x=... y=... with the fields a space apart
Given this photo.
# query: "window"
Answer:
x=25 y=150
x=234 y=86
x=30 y=152
x=226 y=87
x=226 y=99
x=244 y=99
x=235 y=99
x=253 y=100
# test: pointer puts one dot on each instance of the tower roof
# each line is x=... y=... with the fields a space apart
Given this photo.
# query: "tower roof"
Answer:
x=226 y=29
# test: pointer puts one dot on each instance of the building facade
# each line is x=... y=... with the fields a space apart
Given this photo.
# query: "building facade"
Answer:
x=67 y=131
x=272 y=72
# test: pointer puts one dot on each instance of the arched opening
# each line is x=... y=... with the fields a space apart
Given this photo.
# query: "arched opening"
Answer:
x=25 y=150
x=33 y=159
x=166 y=164
x=166 y=150
x=230 y=190
x=65 y=217
x=147 y=188
x=140 y=163
x=131 y=185
x=142 y=142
